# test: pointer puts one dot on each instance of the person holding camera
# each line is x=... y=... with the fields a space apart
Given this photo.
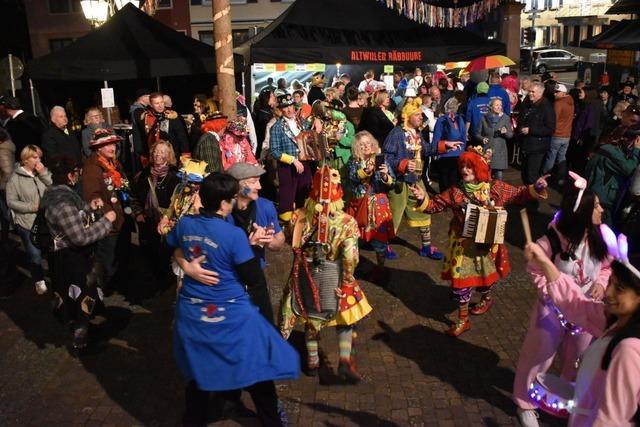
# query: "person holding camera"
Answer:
x=74 y=227
x=371 y=177
x=495 y=129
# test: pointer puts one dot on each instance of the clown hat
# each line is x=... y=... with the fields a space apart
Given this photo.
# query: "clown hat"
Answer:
x=192 y=170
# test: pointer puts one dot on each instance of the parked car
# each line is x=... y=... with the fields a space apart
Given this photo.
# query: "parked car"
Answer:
x=554 y=59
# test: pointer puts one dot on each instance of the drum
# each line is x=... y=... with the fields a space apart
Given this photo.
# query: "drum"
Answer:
x=552 y=394
x=327 y=275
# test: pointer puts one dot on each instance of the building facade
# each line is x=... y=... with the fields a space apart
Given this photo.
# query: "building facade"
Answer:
x=54 y=24
x=248 y=18
x=563 y=23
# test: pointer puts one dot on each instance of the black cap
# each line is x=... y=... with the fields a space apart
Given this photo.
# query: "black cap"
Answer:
x=142 y=92
x=10 y=102
x=545 y=76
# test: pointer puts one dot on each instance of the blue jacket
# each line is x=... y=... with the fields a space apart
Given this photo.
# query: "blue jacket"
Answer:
x=476 y=108
x=396 y=154
x=445 y=130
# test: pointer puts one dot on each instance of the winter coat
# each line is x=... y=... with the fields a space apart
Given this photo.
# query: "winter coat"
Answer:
x=94 y=187
x=497 y=140
x=607 y=173
x=24 y=191
x=540 y=118
x=55 y=142
x=7 y=156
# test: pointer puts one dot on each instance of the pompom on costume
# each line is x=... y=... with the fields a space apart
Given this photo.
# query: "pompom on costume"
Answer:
x=470 y=265
x=325 y=246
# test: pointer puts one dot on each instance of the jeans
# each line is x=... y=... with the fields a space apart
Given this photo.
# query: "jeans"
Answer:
x=34 y=255
x=557 y=153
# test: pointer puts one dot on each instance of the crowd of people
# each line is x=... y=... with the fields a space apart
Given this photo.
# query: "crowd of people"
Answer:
x=330 y=170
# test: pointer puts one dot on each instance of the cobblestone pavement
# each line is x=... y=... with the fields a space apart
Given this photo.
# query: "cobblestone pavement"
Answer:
x=415 y=375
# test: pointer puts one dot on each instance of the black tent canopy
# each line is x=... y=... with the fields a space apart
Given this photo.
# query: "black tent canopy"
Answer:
x=131 y=45
x=365 y=31
x=623 y=35
x=624 y=6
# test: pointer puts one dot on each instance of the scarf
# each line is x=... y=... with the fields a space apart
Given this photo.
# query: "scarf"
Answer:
x=111 y=171
x=480 y=190
x=159 y=171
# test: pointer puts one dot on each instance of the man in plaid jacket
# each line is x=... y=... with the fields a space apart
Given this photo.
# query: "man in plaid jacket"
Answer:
x=294 y=174
x=70 y=223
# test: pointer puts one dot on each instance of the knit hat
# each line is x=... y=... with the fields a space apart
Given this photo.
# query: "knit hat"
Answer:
x=482 y=87
x=242 y=171
x=102 y=137
x=238 y=126
x=410 y=108
x=142 y=92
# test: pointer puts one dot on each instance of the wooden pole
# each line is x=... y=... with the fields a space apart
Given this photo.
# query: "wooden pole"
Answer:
x=223 y=45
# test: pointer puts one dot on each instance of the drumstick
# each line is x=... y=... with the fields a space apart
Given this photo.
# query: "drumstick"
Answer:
x=525 y=225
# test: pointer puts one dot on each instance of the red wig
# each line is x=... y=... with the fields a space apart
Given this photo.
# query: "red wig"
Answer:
x=511 y=83
x=217 y=125
x=477 y=163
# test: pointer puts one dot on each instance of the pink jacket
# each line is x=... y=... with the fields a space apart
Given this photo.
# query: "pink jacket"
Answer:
x=538 y=276
x=614 y=394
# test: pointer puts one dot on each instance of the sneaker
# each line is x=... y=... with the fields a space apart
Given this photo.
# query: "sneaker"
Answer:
x=431 y=251
x=528 y=417
x=41 y=287
x=390 y=253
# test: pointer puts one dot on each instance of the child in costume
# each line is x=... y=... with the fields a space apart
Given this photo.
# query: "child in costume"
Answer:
x=574 y=243
x=370 y=206
x=322 y=290
x=608 y=380
x=471 y=265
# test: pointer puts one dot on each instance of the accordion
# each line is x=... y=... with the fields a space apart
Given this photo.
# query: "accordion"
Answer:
x=485 y=224
x=327 y=276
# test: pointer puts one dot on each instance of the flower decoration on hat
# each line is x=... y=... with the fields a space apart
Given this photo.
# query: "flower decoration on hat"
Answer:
x=238 y=126
x=618 y=247
x=104 y=137
x=285 y=100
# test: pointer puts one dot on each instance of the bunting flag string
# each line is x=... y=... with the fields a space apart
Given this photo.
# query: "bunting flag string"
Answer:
x=442 y=17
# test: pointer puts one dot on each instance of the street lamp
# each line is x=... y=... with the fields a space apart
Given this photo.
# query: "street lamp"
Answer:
x=98 y=11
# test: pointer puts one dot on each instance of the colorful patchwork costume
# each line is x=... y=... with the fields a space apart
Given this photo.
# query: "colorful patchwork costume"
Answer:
x=470 y=265
x=322 y=290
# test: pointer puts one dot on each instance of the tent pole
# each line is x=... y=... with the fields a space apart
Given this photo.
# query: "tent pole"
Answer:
x=13 y=84
x=158 y=83
x=33 y=97
x=244 y=92
x=106 y=86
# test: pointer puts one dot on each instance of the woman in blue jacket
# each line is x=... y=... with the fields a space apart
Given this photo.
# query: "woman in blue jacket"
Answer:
x=449 y=127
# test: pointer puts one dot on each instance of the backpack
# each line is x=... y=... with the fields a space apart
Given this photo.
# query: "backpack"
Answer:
x=40 y=234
